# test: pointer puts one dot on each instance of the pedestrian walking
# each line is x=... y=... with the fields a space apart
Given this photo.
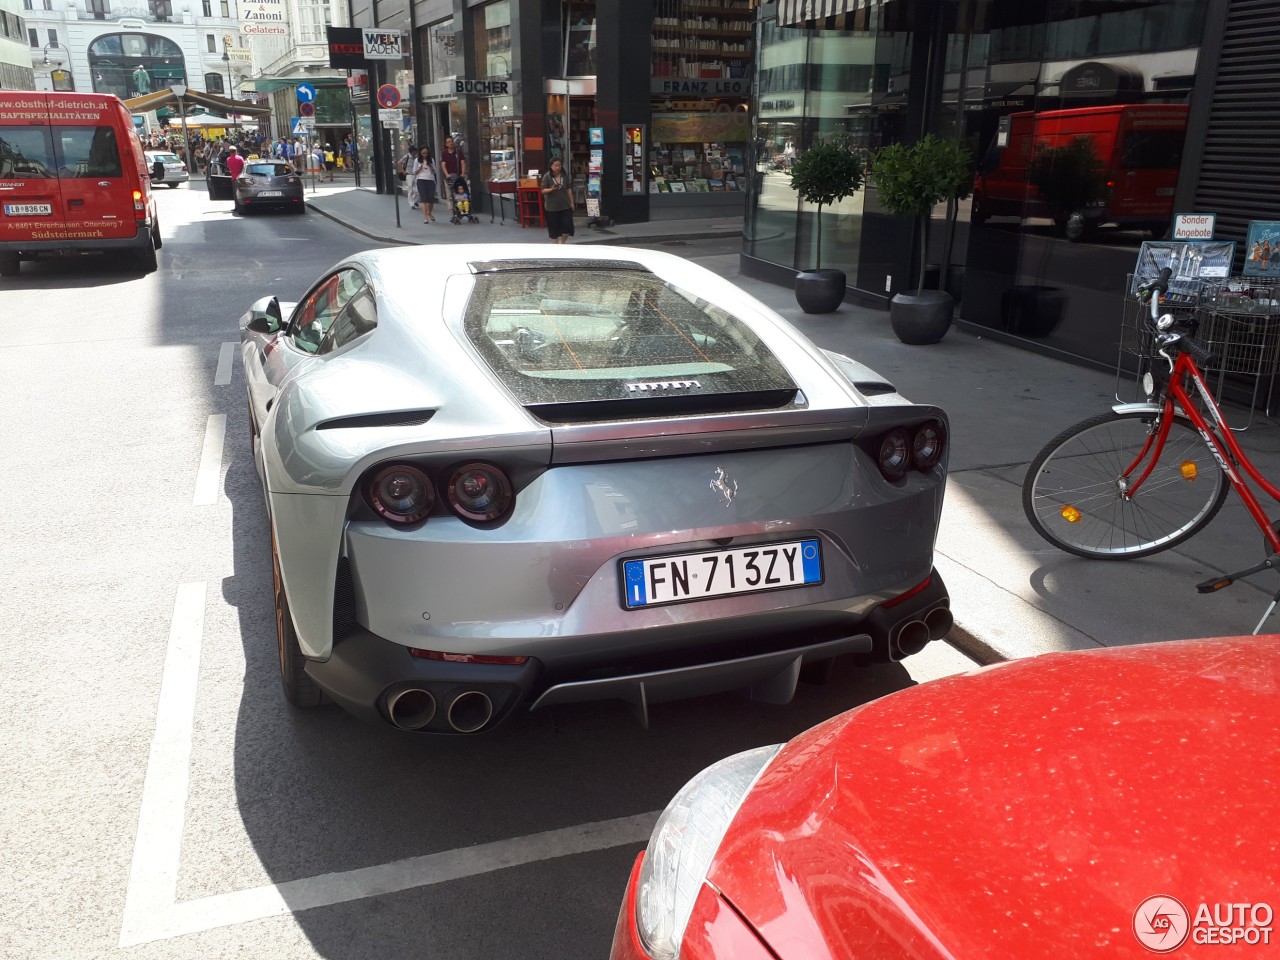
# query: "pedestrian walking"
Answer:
x=557 y=203
x=453 y=163
x=404 y=170
x=424 y=172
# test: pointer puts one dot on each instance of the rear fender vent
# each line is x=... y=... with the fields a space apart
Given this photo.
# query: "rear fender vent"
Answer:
x=344 y=601
x=873 y=388
x=403 y=418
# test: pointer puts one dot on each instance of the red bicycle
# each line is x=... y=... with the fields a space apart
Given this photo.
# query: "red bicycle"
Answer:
x=1148 y=476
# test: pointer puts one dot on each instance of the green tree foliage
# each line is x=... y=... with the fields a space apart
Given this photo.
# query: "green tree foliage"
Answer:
x=828 y=172
x=911 y=180
x=1068 y=178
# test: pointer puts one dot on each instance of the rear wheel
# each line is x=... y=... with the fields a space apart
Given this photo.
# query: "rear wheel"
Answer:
x=9 y=265
x=1074 y=495
x=299 y=689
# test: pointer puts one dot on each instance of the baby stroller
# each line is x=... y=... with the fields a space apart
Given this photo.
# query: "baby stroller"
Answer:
x=460 y=202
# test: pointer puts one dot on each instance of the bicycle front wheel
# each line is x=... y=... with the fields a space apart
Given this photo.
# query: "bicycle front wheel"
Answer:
x=1074 y=491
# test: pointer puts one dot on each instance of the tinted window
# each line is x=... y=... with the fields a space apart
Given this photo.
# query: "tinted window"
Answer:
x=1153 y=149
x=268 y=169
x=88 y=152
x=358 y=317
x=315 y=315
x=26 y=152
x=574 y=334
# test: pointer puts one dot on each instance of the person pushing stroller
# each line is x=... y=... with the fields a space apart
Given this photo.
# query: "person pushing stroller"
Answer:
x=461 y=200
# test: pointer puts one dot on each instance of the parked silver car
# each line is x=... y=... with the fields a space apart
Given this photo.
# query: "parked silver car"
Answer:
x=503 y=478
x=269 y=183
x=166 y=168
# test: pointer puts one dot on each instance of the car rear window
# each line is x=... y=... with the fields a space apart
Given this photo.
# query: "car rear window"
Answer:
x=37 y=152
x=165 y=157
x=577 y=342
x=268 y=169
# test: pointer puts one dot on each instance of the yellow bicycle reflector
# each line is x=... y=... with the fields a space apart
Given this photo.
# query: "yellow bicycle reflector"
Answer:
x=1189 y=471
x=1070 y=514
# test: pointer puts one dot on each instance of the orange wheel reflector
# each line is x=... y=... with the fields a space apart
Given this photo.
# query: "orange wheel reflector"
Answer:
x=1070 y=514
x=1189 y=471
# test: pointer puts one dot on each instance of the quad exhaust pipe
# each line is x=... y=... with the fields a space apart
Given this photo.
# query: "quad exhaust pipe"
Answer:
x=411 y=709
x=912 y=636
x=470 y=711
x=414 y=708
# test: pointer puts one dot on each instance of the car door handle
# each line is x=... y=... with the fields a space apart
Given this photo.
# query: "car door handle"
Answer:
x=75 y=203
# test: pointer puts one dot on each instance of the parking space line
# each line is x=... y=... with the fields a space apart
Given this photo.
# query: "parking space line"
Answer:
x=210 y=471
x=151 y=909
x=242 y=906
x=153 y=876
x=222 y=376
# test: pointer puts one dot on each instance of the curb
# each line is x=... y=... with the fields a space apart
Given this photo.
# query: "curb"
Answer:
x=354 y=229
x=973 y=646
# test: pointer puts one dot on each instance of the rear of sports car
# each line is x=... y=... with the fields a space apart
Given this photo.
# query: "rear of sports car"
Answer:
x=708 y=503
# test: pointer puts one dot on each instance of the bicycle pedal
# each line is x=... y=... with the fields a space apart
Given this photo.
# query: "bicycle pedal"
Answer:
x=1214 y=585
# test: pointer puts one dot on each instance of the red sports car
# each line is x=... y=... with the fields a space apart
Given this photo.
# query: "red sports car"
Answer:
x=1110 y=803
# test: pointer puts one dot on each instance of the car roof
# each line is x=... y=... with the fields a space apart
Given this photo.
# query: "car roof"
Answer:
x=1023 y=810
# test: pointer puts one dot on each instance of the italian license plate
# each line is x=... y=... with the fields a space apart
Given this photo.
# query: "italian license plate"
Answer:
x=28 y=209
x=654 y=581
x=271 y=193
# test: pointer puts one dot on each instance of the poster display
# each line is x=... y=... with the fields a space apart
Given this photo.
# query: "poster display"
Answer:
x=1262 y=249
x=633 y=162
x=1191 y=262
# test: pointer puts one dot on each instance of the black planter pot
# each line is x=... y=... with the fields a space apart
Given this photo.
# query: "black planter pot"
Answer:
x=921 y=317
x=820 y=291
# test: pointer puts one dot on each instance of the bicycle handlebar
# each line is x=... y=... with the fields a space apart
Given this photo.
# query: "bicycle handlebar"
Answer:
x=1169 y=338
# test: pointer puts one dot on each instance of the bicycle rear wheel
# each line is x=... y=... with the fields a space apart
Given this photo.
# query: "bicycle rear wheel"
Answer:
x=1073 y=493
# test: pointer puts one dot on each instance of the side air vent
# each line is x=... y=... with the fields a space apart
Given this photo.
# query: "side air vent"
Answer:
x=404 y=418
x=873 y=388
x=344 y=601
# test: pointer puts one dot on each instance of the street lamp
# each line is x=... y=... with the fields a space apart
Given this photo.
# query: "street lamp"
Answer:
x=226 y=58
x=179 y=90
x=46 y=61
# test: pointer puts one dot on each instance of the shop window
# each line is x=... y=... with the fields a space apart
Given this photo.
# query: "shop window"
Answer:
x=442 y=51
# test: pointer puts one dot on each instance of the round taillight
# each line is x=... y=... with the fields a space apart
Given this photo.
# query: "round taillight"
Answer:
x=895 y=454
x=926 y=446
x=479 y=491
x=401 y=493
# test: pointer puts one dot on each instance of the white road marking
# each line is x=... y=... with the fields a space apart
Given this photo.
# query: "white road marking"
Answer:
x=274 y=900
x=153 y=878
x=210 y=472
x=222 y=376
x=151 y=908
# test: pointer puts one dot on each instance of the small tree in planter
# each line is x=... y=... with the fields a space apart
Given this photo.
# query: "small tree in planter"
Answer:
x=828 y=172
x=911 y=181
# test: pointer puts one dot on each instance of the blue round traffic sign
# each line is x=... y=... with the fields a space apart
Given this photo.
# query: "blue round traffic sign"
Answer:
x=306 y=93
x=388 y=96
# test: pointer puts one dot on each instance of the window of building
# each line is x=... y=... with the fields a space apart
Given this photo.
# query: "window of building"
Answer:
x=130 y=64
x=215 y=83
x=27 y=5
x=211 y=43
x=161 y=9
x=442 y=51
x=32 y=38
x=98 y=9
x=53 y=37
x=206 y=7
x=312 y=19
x=226 y=8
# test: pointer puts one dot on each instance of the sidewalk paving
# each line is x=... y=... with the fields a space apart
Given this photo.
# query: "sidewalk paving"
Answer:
x=1012 y=594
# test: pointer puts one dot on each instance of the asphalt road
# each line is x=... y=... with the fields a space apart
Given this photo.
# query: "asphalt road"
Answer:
x=160 y=798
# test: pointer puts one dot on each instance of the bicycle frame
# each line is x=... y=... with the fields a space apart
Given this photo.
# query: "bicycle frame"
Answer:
x=1217 y=436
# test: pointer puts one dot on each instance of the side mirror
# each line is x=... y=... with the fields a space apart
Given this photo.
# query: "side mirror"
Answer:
x=264 y=315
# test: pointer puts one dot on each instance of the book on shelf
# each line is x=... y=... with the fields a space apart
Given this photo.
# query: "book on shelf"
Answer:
x=700 y=185
x=661 y=184
x=677 y=186
x=731 y=184
x=715 y=185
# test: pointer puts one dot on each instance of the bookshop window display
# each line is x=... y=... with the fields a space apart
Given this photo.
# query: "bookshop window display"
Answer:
x=698 y=153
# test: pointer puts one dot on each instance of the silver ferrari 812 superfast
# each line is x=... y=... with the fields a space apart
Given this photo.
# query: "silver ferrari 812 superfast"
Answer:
x=501 y=478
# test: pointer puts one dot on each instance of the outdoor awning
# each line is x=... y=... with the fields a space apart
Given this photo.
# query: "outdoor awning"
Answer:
x=826 y=14
x=166 y=98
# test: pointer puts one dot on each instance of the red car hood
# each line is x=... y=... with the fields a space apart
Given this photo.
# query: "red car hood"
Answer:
x=1024 y=810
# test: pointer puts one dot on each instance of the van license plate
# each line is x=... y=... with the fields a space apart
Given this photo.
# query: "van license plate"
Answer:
x=28 y=209
x=697 y=576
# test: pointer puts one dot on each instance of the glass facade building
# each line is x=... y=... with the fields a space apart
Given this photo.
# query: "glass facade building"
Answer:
x=1077 y=114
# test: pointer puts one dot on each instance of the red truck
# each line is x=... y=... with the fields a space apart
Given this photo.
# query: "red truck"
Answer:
x=1084 y=167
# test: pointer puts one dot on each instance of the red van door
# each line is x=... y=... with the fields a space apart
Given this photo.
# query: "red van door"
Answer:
x=96 y=185
x=30 y=198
